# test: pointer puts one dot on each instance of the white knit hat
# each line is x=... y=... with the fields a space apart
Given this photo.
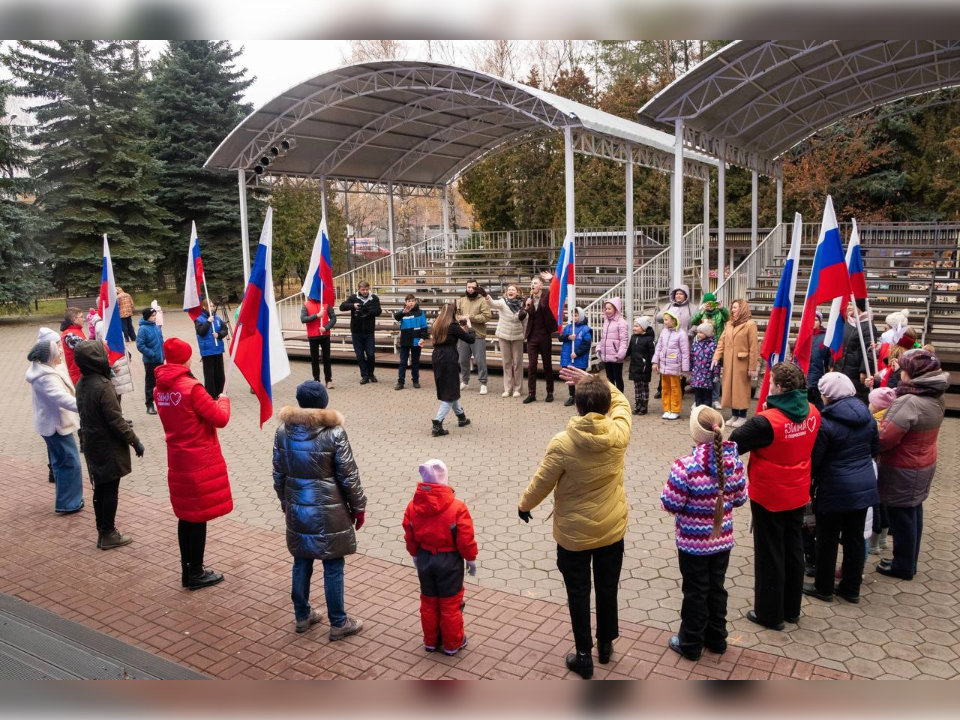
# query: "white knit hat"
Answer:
x=643 y=321
x=699 y=433
x=434 y=472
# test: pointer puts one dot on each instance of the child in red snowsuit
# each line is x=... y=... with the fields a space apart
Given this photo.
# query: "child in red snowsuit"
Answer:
x=438 y=531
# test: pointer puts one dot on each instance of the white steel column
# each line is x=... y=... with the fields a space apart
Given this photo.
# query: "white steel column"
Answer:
x=346 y=227
x=705 y=261
x=721 y=211
x=753 y=211
x=676 y=208
x=779 y=219
x=446 y=230
x=568 y=176
x=244 y=231
x=631 y=305
x=393 y=257
x=323 y=196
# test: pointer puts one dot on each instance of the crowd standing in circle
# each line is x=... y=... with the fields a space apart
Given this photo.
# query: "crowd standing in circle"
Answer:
x=837 y=456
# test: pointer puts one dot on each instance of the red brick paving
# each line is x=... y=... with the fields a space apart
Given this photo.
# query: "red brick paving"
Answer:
x=243 y=628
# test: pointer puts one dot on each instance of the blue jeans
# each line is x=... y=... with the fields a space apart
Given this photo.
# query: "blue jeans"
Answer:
x=445 y=408
x=414 y=354
x=363 y=347
x=65 y=462
x=332 y=589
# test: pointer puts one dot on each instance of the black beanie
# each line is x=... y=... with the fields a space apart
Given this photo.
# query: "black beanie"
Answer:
x=148 y=312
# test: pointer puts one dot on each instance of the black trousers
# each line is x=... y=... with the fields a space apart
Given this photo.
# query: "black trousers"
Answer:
x=614 y=372
x=575 y=568
x=881 y=520
x=105 y=498
x=128 y=332
x=703 y=615
x=814 y=397
x=318 y=343
x=193 y=541
x=363 y=347
x=213 y=377
x=542 y=351
x=906 y=526
x=703 y=396
x=777 y=563
x=833 y=529
x=150 y=382
x=413 y=353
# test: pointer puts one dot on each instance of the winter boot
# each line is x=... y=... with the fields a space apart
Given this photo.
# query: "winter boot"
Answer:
x=462 y=420
x=438 y=429
x=201 y=577
x=184 y=574
x=581 y=663
x=114 y=539
x=399 y=386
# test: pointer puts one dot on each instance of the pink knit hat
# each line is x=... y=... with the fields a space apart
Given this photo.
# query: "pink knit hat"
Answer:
x=835 y=386
x=434 y=472
x=882 y=397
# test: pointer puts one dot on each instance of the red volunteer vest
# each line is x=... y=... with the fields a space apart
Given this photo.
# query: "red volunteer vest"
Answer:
x=780 y=473
x=315 y=327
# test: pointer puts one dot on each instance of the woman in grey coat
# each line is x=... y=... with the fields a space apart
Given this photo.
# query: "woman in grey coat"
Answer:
x=318 y=484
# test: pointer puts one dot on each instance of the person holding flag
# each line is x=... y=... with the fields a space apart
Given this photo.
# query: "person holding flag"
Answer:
x=210 y=329
x=539 y=330
x=853 y=362
x=109 y=329
x=317 y=312
x=774 y=348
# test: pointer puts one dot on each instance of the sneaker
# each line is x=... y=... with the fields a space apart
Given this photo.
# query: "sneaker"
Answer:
x=463 y=386
x=665 y=416
x=350 y=627
x=454 y=652
x=151 y=410
x=329 y=384
x=673 y=416
x=506 y=393
x=483 y=389
x=307 y=622
x=516 y=393
x=416 y=386
x=717 y=405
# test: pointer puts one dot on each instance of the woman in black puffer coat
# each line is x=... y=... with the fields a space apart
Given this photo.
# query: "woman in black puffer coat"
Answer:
x=845 y=486
x=318 y=483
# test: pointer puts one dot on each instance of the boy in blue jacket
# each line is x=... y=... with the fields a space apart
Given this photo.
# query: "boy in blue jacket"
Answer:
x=150 y=345
x=577 y=337
x=413 y=332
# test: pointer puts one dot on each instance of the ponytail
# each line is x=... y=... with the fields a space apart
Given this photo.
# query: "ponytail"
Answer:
x=721 y=482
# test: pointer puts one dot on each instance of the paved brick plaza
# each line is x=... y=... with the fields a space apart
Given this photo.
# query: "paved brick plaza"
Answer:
x=516 y=617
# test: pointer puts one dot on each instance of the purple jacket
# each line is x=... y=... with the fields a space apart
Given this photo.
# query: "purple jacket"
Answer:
x=702 y=375
x=615 y=337
x=673 y=352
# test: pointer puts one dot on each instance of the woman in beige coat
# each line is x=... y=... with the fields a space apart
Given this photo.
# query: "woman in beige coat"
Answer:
x=738 y=351
x=510 y=334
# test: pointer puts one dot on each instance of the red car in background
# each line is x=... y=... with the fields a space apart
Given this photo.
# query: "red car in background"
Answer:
x=368 y=248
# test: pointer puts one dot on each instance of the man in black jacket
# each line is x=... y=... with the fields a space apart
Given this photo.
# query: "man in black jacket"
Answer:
x=852 y=362
x=364 y=307
x=540 y=329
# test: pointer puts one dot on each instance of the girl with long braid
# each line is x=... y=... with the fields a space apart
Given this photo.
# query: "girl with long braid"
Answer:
x=703 y=489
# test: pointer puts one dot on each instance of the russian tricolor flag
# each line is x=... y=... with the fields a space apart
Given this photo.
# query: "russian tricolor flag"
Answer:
x=858 y=276
x=318 y=284
x=774 y=348
x=828 y=280
x=564 y=287
x=193 y=288
x=258 y=349
x=108 y=309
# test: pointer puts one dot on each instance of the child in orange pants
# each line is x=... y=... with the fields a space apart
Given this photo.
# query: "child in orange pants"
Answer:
x=438 y=531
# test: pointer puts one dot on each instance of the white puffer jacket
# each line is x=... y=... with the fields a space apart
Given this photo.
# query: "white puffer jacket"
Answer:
x=122 y=377
x=54 y=400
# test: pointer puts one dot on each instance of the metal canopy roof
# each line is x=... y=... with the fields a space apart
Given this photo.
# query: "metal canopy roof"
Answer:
x=423 y=124
x=764 y=97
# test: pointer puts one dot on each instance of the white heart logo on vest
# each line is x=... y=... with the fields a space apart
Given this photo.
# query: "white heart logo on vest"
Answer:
x=175 y=398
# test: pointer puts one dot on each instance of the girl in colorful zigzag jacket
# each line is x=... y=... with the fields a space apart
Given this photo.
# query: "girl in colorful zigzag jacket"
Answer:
x=704 y=522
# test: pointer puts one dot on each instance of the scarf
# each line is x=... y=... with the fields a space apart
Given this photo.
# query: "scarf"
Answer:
x=920 y=390
x=743 y=313
x=364 y=300
x=513 y=304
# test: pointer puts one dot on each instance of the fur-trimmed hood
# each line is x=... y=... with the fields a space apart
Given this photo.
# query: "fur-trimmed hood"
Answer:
x=311 y=417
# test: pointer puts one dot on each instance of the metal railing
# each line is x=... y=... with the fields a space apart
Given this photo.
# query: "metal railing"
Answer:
x=744 y=276
x=651 y=282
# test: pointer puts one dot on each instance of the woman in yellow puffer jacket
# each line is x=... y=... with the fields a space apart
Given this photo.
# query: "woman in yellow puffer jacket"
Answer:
x=583 y=467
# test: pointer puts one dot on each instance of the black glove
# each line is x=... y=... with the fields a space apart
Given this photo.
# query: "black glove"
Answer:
x=138 y=448
x=524 y=515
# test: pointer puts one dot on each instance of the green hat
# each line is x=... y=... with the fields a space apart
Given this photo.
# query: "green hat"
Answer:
x=709 y=297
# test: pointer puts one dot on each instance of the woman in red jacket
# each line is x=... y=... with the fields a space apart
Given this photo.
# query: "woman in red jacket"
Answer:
x=196 y=470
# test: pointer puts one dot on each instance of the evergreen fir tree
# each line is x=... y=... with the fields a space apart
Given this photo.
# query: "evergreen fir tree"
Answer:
x=23 y=277
x=91 y=163
x=195 y=99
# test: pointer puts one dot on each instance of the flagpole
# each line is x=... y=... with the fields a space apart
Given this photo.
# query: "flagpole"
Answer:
x=233 y=355
x=863 y=345
x=213 y=324
x=873 y=341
